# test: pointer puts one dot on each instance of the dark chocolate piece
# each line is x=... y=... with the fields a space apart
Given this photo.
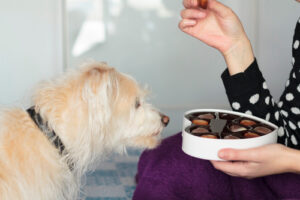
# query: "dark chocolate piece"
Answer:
x=206 y=116
x=202 y=3
x=238 y=135
x=201 y=122
x=228 y=117
x=210 y=136
x=247 y=122
x=263 y=130
x=200 y=130
x=231 y=137
x=251 y=135
x=236 y=128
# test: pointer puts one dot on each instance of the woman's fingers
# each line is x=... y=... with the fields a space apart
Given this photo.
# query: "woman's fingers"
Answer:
x=190 y=3
x=186 y=23
x=190 y=17
x=232 y=168
x=240 y=155
x=193 y=14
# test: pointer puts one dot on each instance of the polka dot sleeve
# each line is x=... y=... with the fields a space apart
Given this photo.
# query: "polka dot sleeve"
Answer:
x=248 y=92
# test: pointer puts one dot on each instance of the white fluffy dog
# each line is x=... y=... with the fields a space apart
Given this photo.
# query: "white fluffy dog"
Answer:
x=76 y=120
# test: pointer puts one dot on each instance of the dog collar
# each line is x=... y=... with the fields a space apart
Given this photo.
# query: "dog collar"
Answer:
x=49 y=133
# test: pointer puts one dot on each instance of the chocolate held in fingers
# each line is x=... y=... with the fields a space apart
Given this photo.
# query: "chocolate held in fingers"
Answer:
x=202 y=3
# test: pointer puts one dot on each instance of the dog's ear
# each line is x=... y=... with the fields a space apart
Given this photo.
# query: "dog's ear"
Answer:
x=98 y=76
x=100 y=87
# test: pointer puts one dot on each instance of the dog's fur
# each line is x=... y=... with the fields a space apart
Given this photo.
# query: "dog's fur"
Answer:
x=94 y=111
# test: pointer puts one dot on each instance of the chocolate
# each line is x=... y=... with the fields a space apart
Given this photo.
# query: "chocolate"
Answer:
x=247 y=122
x=262 y=129
x=231 y=137
x=202 y=3
x=251 y=135
x=228 y=117
x=200 y=130
x=237 y=135
x=225 y=126
x=200 y=122
x=206 y=116
x=210 y=136
x=236 y=128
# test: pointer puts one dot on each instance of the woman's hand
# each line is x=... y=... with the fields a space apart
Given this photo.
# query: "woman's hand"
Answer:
x=219 y=27
x=257 y=162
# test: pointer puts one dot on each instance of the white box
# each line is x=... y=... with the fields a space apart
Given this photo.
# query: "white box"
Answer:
x=206 y=148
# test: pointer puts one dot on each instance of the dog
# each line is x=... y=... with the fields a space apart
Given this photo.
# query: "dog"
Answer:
x=76 y=120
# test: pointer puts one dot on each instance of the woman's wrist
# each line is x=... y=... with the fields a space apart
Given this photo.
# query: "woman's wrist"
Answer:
x=239 y=57
x=293 y=164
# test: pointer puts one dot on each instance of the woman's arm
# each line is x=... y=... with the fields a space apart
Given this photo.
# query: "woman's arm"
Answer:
x=219 y=27
x=248 y=92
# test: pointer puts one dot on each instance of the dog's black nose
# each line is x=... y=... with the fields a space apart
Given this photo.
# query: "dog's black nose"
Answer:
x=164 y=119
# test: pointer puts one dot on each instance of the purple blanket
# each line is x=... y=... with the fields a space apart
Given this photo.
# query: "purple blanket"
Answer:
x=166 y=173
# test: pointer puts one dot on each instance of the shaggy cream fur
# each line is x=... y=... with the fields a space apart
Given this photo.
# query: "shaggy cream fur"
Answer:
x=94 y=110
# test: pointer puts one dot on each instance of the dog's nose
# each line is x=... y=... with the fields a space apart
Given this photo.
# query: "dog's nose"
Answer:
x=164 y=119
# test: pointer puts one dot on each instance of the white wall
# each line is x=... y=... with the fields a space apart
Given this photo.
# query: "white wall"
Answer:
x=182 y=72
x=30 y=47
x=143 y=39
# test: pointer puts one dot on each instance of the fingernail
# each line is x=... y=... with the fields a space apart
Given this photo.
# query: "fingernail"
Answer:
x=189 y=22
x=221 y=154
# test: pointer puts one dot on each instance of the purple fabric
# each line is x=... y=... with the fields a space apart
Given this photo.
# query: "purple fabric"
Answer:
x=166 y=173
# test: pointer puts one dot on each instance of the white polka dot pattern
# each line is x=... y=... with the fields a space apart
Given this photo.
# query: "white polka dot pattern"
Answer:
x=254 y=99
x=292 y=125
x=277 y=115
x=289 y=97
x=284 y=113
x=273 y=103
x=248 y=112
x=236 y=105
x=287 y=83
x=287 y=133
x=280 y=131
x=265 y=85
x=280 y=104
x=267 y=100
x=296 y=44
x=293 y=61
x=294 y=141
x=268 y=116
x=295 y=110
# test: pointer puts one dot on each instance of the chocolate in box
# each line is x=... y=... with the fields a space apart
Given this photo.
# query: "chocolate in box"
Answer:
x=206 y=131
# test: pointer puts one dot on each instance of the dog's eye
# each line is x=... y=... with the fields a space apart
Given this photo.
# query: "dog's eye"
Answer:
x=137 y=103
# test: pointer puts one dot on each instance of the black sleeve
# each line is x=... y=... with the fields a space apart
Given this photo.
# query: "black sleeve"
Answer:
x=248 y=92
